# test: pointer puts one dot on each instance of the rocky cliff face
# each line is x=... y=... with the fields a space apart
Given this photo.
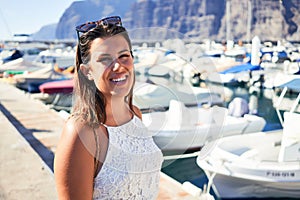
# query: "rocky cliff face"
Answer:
x=89 y=10
x=198 y=19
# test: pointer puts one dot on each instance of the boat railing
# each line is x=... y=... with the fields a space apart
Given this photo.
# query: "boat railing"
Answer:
x=281 y=97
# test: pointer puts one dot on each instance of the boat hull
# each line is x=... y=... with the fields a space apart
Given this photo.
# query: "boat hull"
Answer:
x=235 y=187
x=247 y=167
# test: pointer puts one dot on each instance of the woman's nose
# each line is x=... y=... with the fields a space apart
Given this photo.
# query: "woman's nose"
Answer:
x=116 y=65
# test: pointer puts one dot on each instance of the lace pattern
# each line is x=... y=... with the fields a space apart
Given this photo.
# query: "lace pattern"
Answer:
x=132 y=164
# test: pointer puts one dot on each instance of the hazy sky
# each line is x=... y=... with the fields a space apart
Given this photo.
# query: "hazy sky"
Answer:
x=17 y=16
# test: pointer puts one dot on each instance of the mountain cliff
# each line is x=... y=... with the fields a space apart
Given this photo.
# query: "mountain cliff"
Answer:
x=90 y=10
x=198 y=19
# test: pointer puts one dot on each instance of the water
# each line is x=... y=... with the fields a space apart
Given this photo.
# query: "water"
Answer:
x=187 y=170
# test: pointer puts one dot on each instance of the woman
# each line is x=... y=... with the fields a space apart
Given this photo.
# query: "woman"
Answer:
x=105 y=151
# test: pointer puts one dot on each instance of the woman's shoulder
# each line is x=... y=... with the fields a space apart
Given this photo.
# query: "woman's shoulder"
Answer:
x=76 y=128
x=76 y=124
x=77 y=137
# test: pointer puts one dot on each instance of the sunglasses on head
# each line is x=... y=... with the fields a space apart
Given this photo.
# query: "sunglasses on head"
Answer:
x=105 y=22
x=113 y=20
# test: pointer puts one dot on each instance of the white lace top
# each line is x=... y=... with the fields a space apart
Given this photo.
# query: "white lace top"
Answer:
x=132 y=164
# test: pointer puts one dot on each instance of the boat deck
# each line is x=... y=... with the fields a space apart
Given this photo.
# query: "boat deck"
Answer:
x=29 y=134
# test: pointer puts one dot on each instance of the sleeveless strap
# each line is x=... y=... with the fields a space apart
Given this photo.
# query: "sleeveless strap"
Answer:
x=97 y=153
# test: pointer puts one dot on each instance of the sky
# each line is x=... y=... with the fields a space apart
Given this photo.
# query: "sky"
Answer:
x=18 y=17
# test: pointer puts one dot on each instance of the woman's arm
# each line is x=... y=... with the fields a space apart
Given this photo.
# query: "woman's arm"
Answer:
x=74 y=162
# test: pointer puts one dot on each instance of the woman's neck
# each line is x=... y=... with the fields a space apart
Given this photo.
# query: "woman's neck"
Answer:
x=117 y=112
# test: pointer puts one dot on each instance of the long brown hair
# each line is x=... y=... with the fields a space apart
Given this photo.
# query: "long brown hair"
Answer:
x=89 y=102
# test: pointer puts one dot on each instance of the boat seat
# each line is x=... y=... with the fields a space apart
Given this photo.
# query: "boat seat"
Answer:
x=290 y=144
x=254 y=122
x=249 y=154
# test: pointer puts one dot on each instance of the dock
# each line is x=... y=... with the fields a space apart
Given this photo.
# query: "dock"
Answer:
x=29 y=134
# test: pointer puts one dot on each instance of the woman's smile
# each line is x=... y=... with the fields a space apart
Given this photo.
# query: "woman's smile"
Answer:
x=119 y=80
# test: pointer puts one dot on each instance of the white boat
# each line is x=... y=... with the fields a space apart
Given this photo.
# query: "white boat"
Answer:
x=185 y=128
x=21 y=64
x=149 y=96
x=258 y=165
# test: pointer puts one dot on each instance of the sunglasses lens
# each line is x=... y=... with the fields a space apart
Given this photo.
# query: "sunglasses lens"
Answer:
x=87 y=27
x=115 y=20
x=112 y=20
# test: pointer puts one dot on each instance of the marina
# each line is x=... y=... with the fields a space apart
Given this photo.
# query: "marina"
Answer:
x=176 y=96
x=217 y=83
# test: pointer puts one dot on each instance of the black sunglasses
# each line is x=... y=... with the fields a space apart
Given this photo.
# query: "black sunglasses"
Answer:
x=83 y=28
x=114 y=20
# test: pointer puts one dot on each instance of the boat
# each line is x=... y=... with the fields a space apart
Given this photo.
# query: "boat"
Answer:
x=257 y=165
x=30 y=82
x=159 y=61
x=16 y=53
x=54 y=87
x=158 y=94
x=181 y=128
x=58 y=94
x=233 y=75
x=21 y=64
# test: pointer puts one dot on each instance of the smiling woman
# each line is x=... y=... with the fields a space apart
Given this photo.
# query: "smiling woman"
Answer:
x=105 y=151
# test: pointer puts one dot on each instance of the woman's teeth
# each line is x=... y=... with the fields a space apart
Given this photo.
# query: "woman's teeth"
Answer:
x=119 y=79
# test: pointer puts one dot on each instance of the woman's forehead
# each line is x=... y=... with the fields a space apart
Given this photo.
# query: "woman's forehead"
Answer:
x=112 y=44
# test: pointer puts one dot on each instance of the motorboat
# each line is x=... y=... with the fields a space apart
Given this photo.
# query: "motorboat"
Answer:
x=235 y=74
x=157 y=96
x=55 y=87
x=21 y=64
x=257 y=165
x=30 y=82
x=183 y=128
x=58 y=94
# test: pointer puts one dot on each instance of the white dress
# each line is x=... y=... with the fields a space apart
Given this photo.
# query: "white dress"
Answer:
x=131 y=169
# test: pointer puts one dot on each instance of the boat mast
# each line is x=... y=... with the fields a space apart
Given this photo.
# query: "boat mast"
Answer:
x=249 y=20
x=228 y=16
x=282 y=23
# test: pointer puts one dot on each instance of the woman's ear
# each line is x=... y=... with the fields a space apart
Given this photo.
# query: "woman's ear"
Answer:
x=86 y=71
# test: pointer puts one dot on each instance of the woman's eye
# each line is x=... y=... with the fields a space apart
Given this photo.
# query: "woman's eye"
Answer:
x=124 y=56
x=105 y=60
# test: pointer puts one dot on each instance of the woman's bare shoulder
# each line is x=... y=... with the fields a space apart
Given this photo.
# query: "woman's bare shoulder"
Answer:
x=76 y=131
x=75 y=126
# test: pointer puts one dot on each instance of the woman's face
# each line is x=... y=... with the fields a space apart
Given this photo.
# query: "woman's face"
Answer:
x=111 y=66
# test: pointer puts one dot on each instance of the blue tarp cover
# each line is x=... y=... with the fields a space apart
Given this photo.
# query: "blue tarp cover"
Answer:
x=292 y=85
x=240 y=68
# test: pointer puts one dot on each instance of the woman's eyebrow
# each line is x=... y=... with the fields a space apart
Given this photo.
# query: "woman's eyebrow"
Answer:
x=103 y=54
x=125 y=50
